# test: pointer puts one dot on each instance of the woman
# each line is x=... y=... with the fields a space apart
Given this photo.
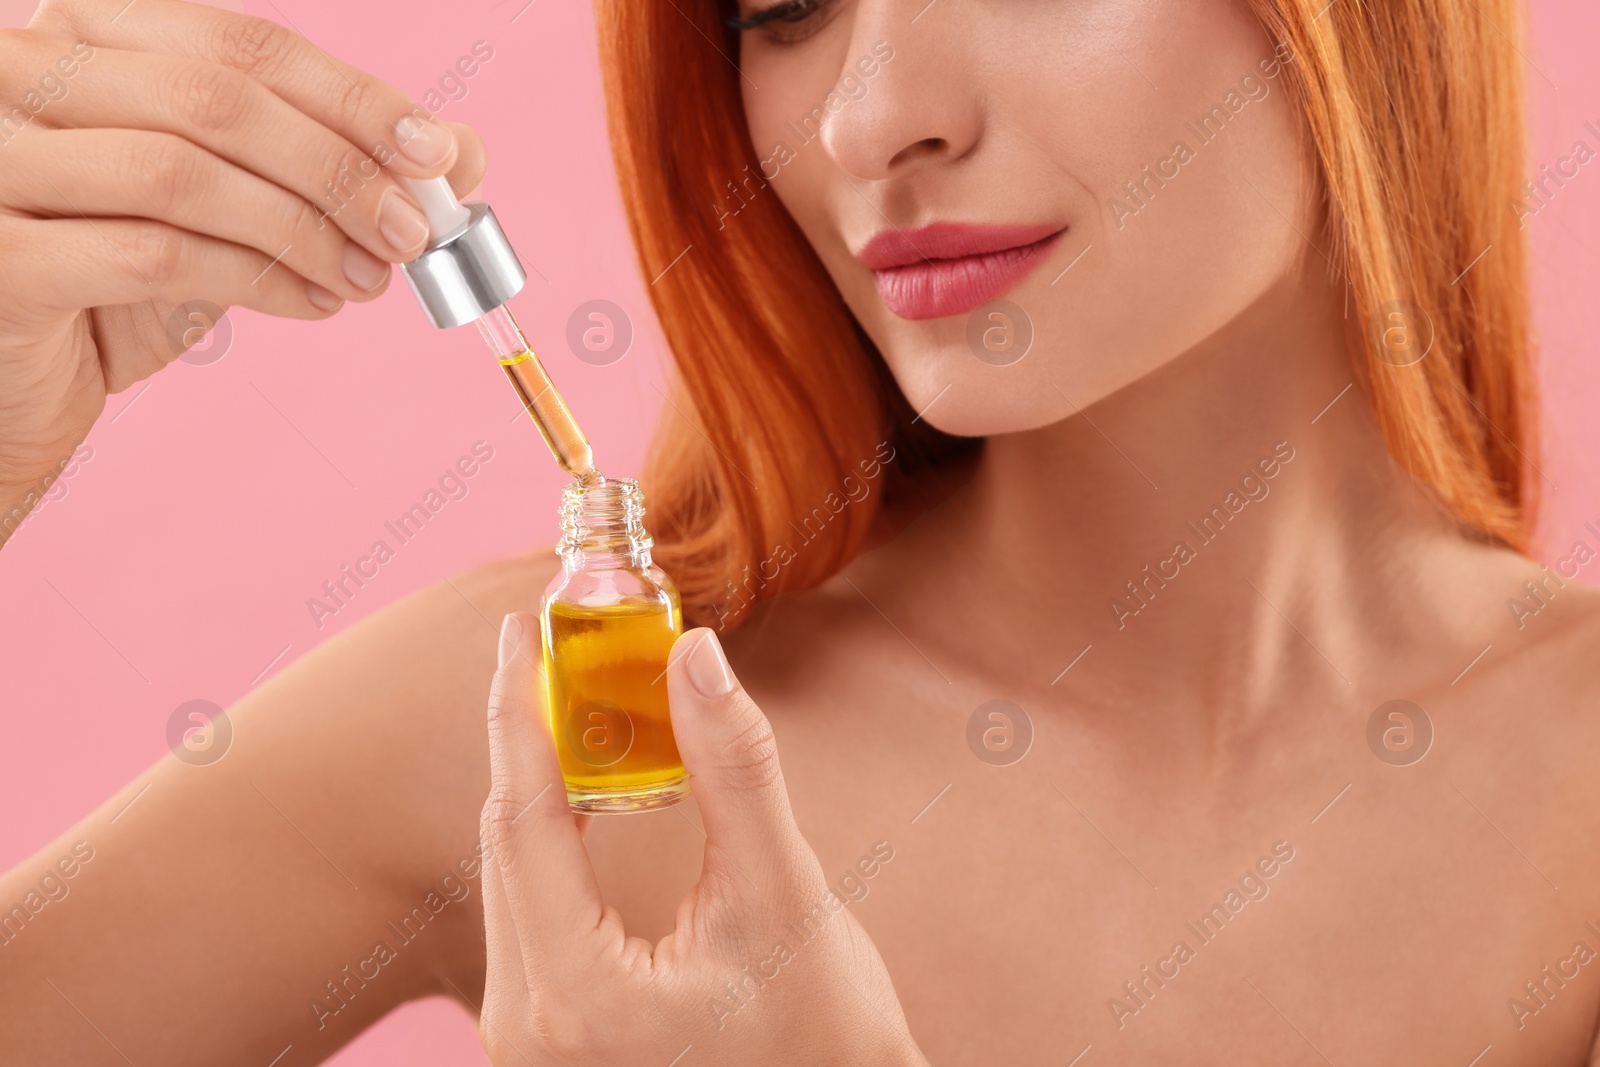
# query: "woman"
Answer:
x=1131 y=401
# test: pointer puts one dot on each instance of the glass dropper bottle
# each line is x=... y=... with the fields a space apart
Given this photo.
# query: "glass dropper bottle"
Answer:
x=609 y=618
x=467 y=274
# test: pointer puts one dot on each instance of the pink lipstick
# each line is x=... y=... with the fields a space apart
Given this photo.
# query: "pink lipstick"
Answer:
x=950 y=268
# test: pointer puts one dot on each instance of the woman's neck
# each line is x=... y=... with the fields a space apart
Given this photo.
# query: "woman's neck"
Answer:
x=1229 y=530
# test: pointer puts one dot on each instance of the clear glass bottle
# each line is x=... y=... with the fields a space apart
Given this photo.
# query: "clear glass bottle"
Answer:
x=608 y=621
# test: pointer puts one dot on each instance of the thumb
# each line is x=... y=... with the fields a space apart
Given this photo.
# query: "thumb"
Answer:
x=728 y=748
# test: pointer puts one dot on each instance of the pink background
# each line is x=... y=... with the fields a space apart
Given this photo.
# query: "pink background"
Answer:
x=177 y=562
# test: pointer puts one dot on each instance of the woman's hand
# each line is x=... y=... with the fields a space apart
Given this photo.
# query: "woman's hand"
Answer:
x=566 y=985
x=158 y=153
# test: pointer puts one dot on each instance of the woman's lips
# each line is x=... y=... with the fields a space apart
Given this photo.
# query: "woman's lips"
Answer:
x=953 y=268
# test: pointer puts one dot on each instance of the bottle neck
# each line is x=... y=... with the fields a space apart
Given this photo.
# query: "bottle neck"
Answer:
x=602 y=524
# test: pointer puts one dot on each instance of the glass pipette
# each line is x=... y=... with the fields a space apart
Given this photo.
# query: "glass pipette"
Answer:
x=467 y=274
x=537 y=392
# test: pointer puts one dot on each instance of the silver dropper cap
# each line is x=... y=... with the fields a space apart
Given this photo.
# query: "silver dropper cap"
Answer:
x=469 y=268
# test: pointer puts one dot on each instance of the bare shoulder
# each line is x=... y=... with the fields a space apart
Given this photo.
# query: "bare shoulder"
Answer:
x=398 y=702
x=333 y=844
x=384 y=727
x=1519 y=717
x=377 y=741
x=1551 y=639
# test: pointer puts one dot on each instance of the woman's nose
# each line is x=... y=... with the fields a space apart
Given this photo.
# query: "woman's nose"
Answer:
x=924 y=103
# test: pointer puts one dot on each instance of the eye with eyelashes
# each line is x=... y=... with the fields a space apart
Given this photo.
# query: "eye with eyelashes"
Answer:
x=789 y=21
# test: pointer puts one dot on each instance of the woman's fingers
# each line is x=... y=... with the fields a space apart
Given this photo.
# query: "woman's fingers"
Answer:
x=71 y=264
x=237 y=118
x=550 y=885
x=471 y=160
x=505 y=990
x=362 y=109
x=728 y=747
x=125 y=173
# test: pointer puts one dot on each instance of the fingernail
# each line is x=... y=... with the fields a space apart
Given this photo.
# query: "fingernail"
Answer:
x=708 y=668
x=510 y=637
x=362 y=269
x=322 y=298
x=403 y=225
x=426 y=144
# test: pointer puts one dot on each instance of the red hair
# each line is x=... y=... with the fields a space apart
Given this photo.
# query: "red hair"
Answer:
x=1414 y=108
